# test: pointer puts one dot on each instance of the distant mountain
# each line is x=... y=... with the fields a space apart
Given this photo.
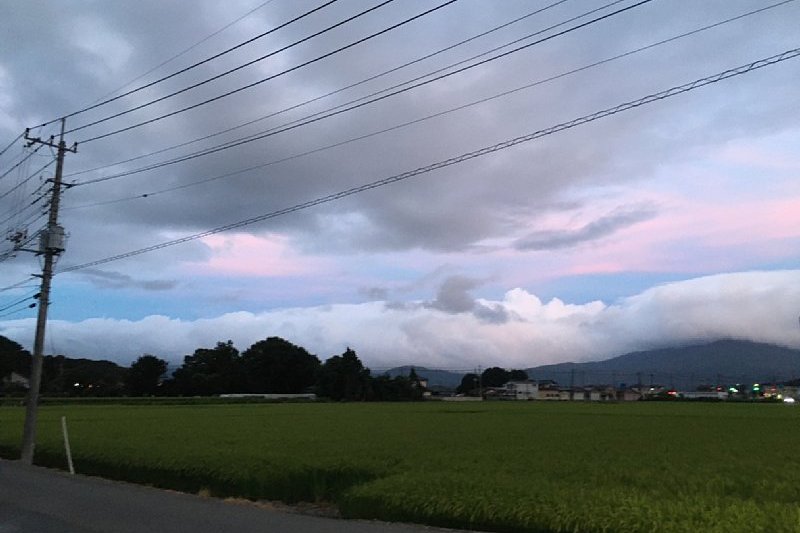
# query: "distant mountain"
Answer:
x=436 y=378
x=721 y=362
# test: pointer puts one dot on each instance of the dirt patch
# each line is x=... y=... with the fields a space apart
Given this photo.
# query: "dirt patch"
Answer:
x=323 y=509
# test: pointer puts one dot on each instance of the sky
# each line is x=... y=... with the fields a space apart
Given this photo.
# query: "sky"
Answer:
x=673 y=222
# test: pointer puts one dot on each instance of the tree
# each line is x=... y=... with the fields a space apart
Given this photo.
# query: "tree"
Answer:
x=210 y=371
x=495 y=377
x=517 y=375
x=144 y=375
x=275 y=365
x=67 y=376
x=386 y=389
x=13 y=358
x=343 y=377
x=469 y=384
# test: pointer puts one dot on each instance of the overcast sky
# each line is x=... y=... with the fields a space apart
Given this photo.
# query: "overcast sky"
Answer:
x=674 y=222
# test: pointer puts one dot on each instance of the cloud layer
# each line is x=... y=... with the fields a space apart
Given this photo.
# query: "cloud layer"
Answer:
x=704 y=183
x=454 y=332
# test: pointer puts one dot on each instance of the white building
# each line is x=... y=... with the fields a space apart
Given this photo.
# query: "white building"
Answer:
x=521 y=390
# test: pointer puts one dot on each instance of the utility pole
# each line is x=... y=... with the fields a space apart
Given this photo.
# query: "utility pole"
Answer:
x=51 y=245
x=572 y=384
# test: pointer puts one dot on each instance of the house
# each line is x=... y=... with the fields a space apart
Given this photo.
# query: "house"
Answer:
x=791 y=391
x=579 y=394
x=520 y=390
x=548 y=393
x=628 y=395
x=703 y=395
x=16 y=380
x=602 y=394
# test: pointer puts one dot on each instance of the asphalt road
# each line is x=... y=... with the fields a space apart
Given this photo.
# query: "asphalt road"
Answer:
x=38 y=500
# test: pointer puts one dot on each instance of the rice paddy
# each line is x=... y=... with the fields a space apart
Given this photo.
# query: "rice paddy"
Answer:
x=496 y=466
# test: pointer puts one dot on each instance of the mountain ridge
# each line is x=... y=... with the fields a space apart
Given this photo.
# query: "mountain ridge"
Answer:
x=686 y=366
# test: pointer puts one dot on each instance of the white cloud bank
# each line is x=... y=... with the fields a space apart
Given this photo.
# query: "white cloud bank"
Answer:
x=518 y=331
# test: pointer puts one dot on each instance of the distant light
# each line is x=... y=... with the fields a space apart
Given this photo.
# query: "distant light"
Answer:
x=77 y=385
x=788 y=400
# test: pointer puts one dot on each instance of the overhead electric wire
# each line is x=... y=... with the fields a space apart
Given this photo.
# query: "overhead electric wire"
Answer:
x=268 y=78
x=329 y=112
x=21 y=162
x=5 y=255
x=15 y=312
x=18 y=284
x=186 y=50
x=626 y=106
x=25 y=221
x=18 y=213
x=29 y=296
x=434 y=115
x=26 y=180
x=339 y=110
x=190 y=67
x=326 y=95
x=4 y=150
x=231 y=71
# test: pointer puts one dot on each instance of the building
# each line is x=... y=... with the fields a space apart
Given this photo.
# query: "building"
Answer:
x=521 y=390
x=15 y=380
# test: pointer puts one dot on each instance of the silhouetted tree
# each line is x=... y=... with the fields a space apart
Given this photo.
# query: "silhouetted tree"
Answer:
x=67 y=376
x=469 y=384
x=343 y=377
x=387 y=389
x=517 y=375
x=209 y=371
x=275 y=365
x=494 y=377
x=144 y=375
x=13 y=358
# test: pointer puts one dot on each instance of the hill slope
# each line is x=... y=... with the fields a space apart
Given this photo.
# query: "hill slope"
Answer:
x=720 y=362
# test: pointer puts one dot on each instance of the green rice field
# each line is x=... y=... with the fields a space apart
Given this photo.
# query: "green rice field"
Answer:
x=495 y=466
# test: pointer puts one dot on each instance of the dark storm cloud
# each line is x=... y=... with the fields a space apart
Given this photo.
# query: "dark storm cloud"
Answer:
x=597 y=229
x=451 y=209
x=375 y=293
x=454 y=295
x=492 y=314
x=107 y=279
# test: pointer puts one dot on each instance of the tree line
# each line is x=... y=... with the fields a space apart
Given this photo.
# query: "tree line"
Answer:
x=272 y=365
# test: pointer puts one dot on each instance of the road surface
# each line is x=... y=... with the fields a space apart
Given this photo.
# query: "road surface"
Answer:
x=39 y=500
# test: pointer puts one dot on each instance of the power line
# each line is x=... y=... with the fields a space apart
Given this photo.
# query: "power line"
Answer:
x=339 y=109
x=19 y=212
x=434 y=115
x=190 y=67
x=16 y=311
x=263 y=80
x=21 y=162
x=18 y=284
x=331 y=93
x=322 y=114
x=18 y=137
x=231 y=71
x=23 y=300
x=761 y=63
x=26 y=180
x=186 y=50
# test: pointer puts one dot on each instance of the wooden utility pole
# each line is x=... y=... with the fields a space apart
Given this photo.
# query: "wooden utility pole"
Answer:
x=51 y=245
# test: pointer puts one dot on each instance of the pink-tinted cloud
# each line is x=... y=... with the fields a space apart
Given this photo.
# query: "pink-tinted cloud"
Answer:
x=728 y=236
x=246 y=255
